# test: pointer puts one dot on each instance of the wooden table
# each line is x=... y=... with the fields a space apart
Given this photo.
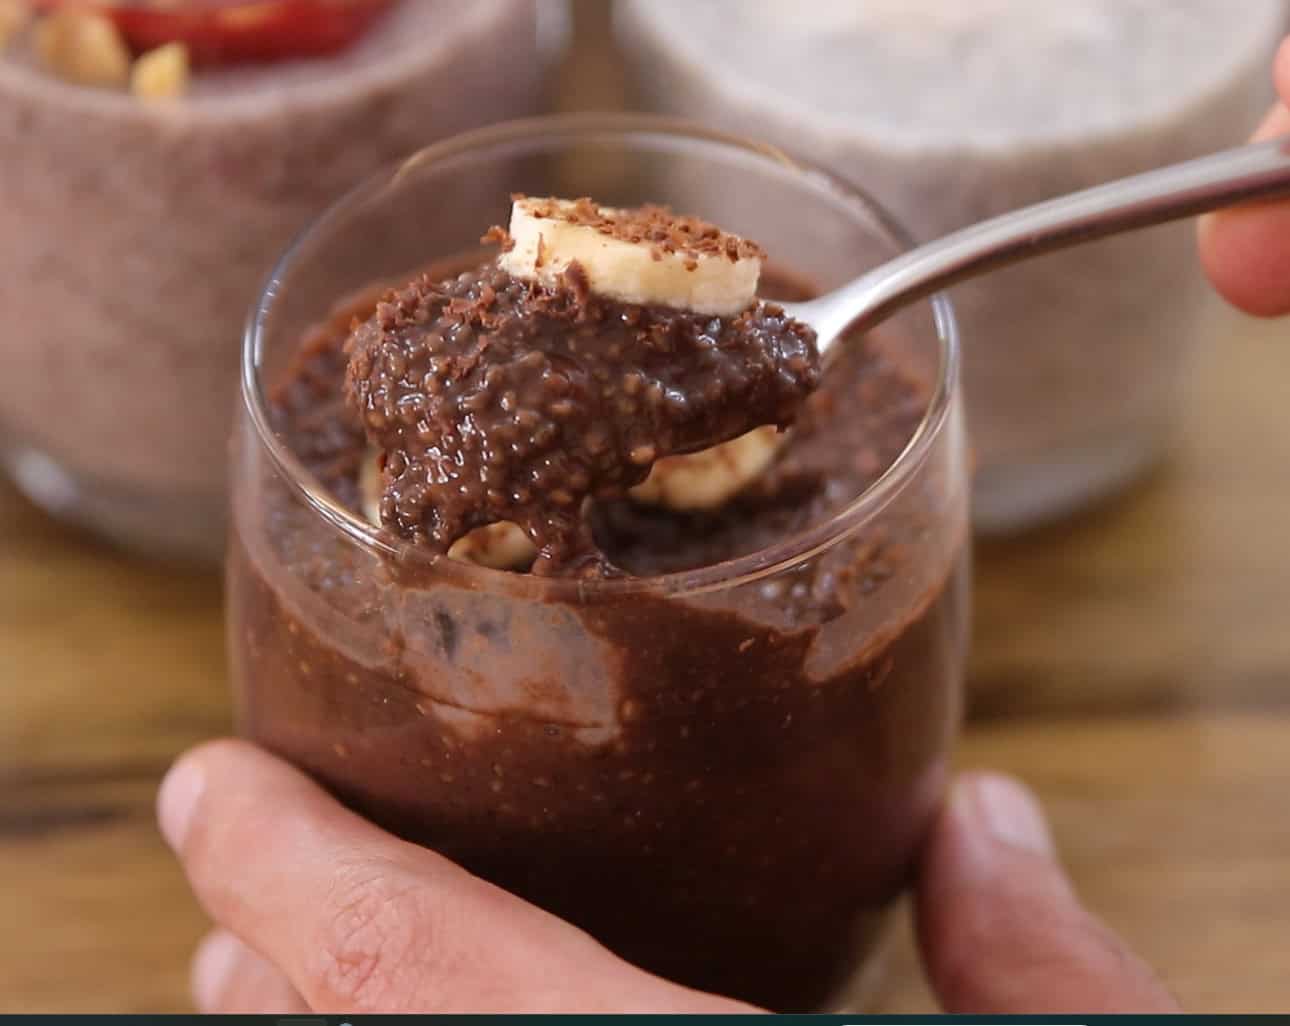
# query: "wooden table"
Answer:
x=1134 y=667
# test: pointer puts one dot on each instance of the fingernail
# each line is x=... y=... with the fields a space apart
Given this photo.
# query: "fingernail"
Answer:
x=212 y=967
x=1204 y=225
x=177 y=801
x=1005 y=810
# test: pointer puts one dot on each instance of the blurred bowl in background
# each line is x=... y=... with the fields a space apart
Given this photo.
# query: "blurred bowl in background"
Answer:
x=135 y=234
x=953 y=113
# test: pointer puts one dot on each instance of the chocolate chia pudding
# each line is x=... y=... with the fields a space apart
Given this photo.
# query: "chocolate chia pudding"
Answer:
x=711 y=734
x=953 y=113
x=495 y=401
x=142 y=222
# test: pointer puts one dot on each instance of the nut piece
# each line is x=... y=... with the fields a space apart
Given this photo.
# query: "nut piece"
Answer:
x=14 y=15
x=83 y=47
x=161 y=74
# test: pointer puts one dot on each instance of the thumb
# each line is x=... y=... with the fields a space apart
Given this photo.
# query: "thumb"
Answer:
x=1000 y=927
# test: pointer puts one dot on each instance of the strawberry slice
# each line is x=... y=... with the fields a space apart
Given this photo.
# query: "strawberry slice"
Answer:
x=236 y=31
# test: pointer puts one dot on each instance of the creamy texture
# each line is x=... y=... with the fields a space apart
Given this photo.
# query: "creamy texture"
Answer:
x=496 y=399
x=1004 y=71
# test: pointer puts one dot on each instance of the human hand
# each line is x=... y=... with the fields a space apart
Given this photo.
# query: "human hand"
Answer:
x=1246 y=250
x=317 y=909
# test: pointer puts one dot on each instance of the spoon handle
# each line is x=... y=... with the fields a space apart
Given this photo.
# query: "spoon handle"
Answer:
x=1256 y=171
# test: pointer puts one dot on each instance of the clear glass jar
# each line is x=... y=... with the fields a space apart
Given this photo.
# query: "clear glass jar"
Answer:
x=137 y=232
x=954 y=113
x=723 y=781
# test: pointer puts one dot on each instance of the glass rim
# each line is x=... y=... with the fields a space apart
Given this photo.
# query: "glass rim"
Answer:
x=791 y=550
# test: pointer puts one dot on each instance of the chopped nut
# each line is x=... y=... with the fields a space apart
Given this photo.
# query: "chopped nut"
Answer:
x=83 y=47
x=14 y=15
x=161 y=74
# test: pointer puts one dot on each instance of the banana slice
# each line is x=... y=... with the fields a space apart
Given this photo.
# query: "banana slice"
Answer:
x=708 y=479
x=645 y=255
x=499 y=546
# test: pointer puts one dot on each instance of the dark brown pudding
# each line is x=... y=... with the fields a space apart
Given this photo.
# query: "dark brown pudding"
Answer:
x=496 y=399
x=726 y=785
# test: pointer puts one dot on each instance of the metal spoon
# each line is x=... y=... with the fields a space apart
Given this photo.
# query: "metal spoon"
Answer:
x=1257 y=171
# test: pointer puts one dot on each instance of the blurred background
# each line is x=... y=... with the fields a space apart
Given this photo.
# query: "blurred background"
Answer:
x=1130 y=658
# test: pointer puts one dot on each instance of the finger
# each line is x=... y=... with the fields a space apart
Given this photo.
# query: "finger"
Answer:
x=1281 y=71
x=228 y=978
x=1000 y=928
x=360 y=921
x=1246 y=250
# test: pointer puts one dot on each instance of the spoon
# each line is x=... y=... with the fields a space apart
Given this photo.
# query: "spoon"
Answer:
x=1256 y=171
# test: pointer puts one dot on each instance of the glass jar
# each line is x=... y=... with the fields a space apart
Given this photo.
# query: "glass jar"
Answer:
x=724 y=774
x=954 y=113
x=137 y=231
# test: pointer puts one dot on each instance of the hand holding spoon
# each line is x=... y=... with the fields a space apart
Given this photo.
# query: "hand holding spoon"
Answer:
x=1256 y=171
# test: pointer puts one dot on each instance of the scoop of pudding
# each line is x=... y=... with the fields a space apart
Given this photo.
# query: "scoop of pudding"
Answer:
x=599 y=342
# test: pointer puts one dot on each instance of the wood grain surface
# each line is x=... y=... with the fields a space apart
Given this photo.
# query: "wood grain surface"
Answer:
x=1133 y=666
